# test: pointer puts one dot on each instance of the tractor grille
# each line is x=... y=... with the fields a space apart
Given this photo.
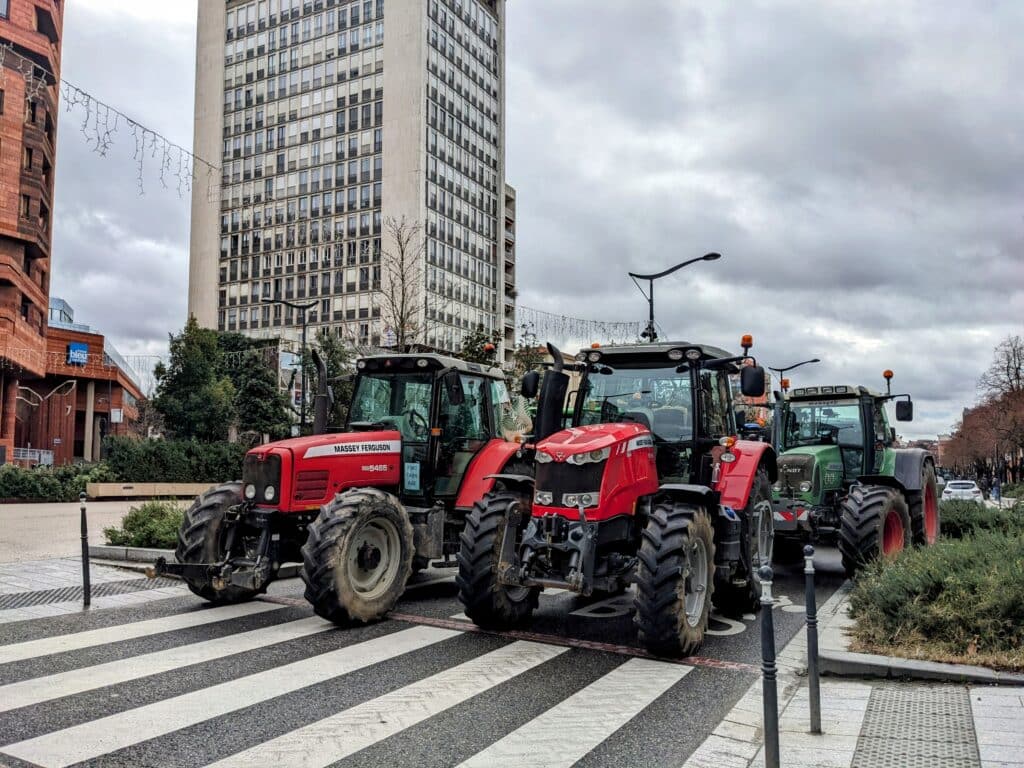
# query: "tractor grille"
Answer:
x=261 y=474
x=311 y=485
x=562 y=478
x=796 y=469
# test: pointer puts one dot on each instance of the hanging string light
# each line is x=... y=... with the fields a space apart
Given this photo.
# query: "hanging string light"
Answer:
x=547 y=326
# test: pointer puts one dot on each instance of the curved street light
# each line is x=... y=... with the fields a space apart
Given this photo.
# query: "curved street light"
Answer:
x=302 y=309
x=650 y=334
x=781 y=371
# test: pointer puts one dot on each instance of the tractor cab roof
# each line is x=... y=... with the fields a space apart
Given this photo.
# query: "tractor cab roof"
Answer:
x=426 y=361
x=650 y=355
x=834 y=392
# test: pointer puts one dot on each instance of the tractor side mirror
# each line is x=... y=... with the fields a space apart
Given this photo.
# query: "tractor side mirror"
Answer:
x=892 y=434
x=530 y=384
x=752 y=381
x=904 y=410
x=453 y=385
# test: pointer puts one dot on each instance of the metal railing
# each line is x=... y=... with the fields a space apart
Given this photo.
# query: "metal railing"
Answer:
x=34 y=456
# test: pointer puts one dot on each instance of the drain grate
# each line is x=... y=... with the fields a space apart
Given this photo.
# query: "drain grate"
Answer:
x=67 y=594
x=908 y=726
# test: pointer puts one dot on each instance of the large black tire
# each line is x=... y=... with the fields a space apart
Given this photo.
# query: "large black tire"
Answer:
x=676 y=564
x=756 y=548
x=488 y=603
x=874 y=523
x=358 y=556
x=201 y=540
x=923 y=506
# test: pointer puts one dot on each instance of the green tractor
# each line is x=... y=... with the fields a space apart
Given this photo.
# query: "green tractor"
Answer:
x=841 y=478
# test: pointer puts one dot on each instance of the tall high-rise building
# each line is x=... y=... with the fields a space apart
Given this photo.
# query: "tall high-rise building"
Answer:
x=30 y=35
x=335 y=121
x=510 y=273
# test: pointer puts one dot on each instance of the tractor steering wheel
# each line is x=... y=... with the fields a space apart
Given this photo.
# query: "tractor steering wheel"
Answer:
x=414 y=416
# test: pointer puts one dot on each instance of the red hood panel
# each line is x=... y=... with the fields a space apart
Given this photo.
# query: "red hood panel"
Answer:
x=594 y=437
x=339 y=444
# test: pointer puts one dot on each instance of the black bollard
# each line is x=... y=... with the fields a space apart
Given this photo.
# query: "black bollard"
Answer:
x=86 y=586
x=813 y=678
x=769 y=688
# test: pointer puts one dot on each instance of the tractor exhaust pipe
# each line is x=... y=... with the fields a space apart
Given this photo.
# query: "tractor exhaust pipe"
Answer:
x=324 y=398
x=552 y=397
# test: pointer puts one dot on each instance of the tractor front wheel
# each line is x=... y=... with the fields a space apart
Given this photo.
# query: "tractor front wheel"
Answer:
x=202 y=539
x=488 y=603
x=675 y=579
x=743 y=593
x=875 y=523
x=358 y=556
x=924 y=508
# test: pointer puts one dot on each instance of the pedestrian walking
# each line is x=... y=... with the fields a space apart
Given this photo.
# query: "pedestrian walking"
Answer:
x=996 y=490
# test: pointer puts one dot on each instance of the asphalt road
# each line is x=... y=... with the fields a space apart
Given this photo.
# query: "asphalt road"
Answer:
x=176 y=683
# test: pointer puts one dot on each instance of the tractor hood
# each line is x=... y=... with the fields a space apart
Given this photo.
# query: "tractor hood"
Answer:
x=338 y=444
x=821 y=466
x=595 y=437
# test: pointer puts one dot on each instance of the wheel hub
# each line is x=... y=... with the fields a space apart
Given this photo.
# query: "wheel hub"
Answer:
x=368 y=557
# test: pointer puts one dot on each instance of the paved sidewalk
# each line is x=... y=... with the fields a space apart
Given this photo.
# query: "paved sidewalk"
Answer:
x=870 y=723
x=33 y=588
x=39 y=531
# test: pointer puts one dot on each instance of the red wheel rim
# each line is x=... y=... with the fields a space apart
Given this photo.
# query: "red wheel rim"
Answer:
x=893 y=534
x=931 y=515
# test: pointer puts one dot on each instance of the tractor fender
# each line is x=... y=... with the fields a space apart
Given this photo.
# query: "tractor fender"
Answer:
x=488 y=462
x=699 y=495
x=907 y=476
x=512 y=481
x=736 y=478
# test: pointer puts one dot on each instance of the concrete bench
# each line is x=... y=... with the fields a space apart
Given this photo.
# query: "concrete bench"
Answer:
x=145 y=490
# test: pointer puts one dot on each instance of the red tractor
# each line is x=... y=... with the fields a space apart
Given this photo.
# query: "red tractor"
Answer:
x=649 y=487
x=363 y=508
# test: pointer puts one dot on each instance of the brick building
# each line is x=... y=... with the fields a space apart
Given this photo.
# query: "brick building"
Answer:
x=30 y=33
x=89 y=391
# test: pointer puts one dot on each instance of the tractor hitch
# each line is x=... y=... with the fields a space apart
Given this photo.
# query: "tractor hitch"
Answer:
x=237 y=573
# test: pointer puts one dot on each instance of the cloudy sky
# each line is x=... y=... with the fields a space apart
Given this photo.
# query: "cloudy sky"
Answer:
x=860 y=166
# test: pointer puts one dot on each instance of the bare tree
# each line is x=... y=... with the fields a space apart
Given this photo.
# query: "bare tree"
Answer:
x=1005 y=375
x=402 y=286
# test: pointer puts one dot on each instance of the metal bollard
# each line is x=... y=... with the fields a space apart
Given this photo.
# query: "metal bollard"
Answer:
x=813 y=678
x=769 y=688
x=86 y=586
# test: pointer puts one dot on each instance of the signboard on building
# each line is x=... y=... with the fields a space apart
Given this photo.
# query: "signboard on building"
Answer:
x=116 y=416
x=78 y=353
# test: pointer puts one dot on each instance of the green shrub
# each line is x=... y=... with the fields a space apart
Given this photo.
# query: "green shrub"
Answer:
x=151 y=524
x=63 y=483
x=963 y=518
x=173 y=461
x=959 y=600
x=1012 y=490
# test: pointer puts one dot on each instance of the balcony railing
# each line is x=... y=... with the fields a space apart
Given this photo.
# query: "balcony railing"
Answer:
x=34 y=456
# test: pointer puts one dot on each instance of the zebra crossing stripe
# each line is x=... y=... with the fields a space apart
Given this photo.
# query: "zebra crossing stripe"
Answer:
x=107 y=734
x=31 y=649
x=568 y=731
x=334 y=738
x=27 y=692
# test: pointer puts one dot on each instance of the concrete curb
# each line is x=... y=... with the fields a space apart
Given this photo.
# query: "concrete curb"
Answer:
x=849 y=664
x=835 y=658
x=140 y=558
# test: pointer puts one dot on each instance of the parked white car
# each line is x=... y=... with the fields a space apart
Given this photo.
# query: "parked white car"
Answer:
x=963 y=490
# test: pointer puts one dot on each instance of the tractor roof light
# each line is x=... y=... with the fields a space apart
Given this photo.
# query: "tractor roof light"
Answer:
x=361 y=364
x=693 y=354
x=422 y=362
x=595 y=345
x=887 y=374
x=785 y=385
x=727 y=442
x=747 y=341
x=581 y=357
x=593 y=356
x=675 y=354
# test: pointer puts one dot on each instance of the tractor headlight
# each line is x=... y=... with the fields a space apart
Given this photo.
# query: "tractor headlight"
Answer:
x=544 y=498
x=250 y=491
x=269 y=492
x=777 y=486
x=591 y=457
x=544 y=458
x=581 y=357
x=593 y=356
x=675 y=354
x=805 y=486
x=591 y=499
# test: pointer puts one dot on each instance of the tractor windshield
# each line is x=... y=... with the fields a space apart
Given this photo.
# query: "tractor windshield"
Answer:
x=394 y=400
x=658 y=398
x=823 y=423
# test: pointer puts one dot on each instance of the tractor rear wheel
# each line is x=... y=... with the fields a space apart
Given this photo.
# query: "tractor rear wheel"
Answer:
x=358 y=556
x=757 y=546
x=201 y=539
x=488 y=603
x=875 y=523
x=675 y=579
x=924 y=508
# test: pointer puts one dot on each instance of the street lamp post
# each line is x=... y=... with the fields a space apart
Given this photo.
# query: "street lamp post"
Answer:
x=302 y=308
x=650 y=334
x=781 y=371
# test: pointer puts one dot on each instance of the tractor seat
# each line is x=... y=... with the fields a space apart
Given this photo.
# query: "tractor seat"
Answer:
x=640 y=417
x=670 y=424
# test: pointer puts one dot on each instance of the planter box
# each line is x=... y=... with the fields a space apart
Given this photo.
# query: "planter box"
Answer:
x=144 y=490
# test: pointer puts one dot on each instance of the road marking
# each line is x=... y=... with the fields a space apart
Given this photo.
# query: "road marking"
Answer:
x=47 y=646
x=335 y=738
x=576 y=725
x=56 y=686
x=107 y=734
x=571 y=642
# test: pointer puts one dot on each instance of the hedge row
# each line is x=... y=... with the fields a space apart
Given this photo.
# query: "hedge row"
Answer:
x=50 y=484
x=173 y=461
x=964 y=518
